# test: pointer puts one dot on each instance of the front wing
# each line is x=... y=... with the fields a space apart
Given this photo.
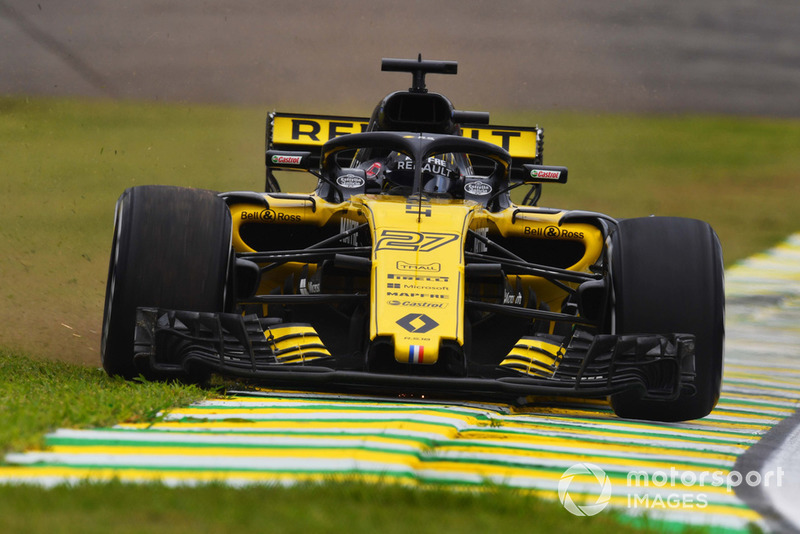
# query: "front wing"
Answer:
x=177 y=343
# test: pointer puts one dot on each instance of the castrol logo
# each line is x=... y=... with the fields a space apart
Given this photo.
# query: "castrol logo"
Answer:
x=286 y=160
x=550 y=175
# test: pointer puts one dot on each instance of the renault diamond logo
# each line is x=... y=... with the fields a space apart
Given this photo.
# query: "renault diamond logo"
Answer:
x=417 y=323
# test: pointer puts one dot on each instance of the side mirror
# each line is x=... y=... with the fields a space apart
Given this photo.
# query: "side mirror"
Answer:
x=291 y=161
x=479 y=189
x=538 y=174
x=351 y=182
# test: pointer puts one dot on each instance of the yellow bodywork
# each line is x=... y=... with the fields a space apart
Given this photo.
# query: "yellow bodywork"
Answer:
x=303 y=131
x=534 y=357
x=295 y=344
x=417 y=280
x=417 y=273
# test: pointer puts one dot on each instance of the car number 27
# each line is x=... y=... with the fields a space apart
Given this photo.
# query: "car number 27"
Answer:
x=413 y=241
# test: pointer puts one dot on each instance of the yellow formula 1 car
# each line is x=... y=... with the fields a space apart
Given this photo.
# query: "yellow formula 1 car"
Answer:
x=409 y=270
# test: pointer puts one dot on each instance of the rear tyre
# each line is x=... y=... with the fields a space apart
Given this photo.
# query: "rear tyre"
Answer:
x=667 y=277
x=171 y=249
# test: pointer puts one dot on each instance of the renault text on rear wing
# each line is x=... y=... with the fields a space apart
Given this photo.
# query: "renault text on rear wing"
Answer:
x=297 y=132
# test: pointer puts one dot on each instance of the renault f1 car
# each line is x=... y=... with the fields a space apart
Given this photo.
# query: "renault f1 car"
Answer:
x=410 y=270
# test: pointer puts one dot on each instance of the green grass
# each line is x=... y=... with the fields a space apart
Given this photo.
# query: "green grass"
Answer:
x=38 y=396
x=65 y=162
x=64 y=165
x=329 y=508
x=742 y=175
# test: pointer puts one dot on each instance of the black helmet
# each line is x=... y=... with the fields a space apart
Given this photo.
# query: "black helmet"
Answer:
x=440 y=175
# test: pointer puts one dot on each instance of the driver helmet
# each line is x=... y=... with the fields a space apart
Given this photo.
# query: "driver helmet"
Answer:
x=440 y=175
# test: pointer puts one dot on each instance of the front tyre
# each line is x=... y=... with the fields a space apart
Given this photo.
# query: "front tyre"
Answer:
x=171 y=249
x=667 y=277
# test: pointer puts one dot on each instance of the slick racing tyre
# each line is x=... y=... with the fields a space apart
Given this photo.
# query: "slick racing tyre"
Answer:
x=171 y=249
x=667 y=277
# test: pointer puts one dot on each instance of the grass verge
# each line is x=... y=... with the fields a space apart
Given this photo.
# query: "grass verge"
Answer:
x=65 y=162
x=38 y=396
x=352 y=508
x=742 y=175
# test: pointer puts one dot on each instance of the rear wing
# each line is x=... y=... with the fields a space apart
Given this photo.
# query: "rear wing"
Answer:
x=294 y=140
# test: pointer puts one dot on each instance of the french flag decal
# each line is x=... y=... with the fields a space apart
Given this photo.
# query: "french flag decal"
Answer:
x=415 y=353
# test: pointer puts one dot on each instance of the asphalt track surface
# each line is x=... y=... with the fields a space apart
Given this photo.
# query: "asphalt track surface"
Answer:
x=322 y=56
x=733 y=468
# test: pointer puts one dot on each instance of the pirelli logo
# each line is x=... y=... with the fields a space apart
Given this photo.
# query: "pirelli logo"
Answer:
x=314 y=130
